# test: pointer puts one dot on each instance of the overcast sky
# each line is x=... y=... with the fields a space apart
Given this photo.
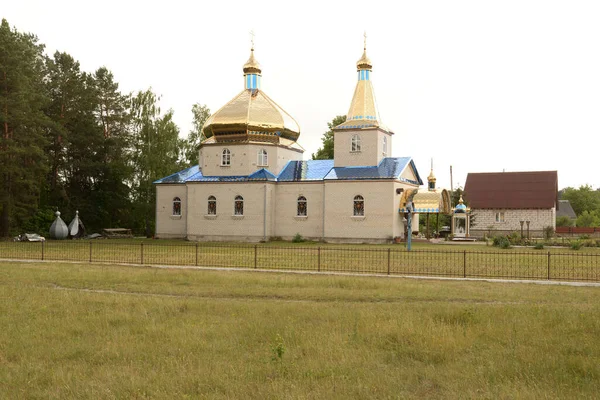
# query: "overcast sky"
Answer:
x=483 y=86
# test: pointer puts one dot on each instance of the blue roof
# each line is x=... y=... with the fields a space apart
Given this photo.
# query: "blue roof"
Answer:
x=388 y=168
x=309 y=170
x=193 y=174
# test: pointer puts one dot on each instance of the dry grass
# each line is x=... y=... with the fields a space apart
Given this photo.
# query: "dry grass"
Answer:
x=97 y=331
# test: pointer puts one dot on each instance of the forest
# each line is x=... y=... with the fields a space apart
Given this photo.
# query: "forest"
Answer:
x=71 y=140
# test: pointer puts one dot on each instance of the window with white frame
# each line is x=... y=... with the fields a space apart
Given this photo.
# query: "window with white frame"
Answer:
x=301 y=212
x=226 y=157
x=385 y=146
x=212 y=205
x=355 y=143
x=500 y=216
x=238 y=206
x=263 y=161
x=359 y=206
x=176 y=206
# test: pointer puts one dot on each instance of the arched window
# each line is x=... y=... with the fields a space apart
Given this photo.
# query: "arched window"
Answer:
x=359 y=206
x=301 y=206
x=226 y=157
x=385 y=146
x=355 y=143
x=238 y=206
x=212 y=205
x=263 y=161
x=176 y=206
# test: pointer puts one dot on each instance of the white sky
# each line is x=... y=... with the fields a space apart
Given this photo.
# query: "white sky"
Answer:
x=483 y=86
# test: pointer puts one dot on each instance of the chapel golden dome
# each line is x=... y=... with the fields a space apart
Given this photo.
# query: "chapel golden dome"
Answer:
x=252 y=66
x=364 y=62
x=251 y=116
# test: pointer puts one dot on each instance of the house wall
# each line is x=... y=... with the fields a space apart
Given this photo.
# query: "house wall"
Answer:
x=288 y=223
x=244 y=158
x=371 y=142
x=381 y=221
x=485 y=221
x=169 y=226
x=254 y=225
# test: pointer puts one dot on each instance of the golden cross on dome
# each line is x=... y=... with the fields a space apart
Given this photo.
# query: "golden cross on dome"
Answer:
x=365 y=35
x=252 y=38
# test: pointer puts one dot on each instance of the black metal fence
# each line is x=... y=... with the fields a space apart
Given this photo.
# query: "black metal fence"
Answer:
x=506 y=264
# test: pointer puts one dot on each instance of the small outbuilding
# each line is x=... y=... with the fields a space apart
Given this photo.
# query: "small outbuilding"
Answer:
x=505 y=202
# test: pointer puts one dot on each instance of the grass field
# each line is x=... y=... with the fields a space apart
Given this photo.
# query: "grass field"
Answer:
x=101 y=331
x=425 y=259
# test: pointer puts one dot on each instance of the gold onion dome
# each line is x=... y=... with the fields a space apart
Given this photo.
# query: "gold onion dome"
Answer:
x=251 y=116
x=252 y=66
x=363 y=113
x=364 y=62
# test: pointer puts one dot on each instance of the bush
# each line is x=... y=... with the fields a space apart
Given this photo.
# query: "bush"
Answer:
x=514 y=238
x=298 y=238
x=584 y=237
x=502 y=242
x=548 y=232
x=576 y=245
x=539 y=246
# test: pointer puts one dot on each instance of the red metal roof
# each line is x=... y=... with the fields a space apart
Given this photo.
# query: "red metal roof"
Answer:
x=515 y=190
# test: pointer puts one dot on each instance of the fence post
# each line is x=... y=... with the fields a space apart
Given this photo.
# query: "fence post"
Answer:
x=141 y=253
x=389 y=251
x=319 y=259
x=548 y=265
x=43 y=245
x=464 y=263
x=196 y=254
x=255 y=256
x=90 y=251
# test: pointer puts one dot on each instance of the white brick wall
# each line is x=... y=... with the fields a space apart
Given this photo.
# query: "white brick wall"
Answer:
x=485 y=220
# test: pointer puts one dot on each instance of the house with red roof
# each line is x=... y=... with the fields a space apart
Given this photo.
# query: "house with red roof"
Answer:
x=505 y=202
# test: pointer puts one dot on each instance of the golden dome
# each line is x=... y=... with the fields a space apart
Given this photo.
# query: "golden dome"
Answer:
x=431 y=176
x=252 y=66
x=364 y=62
x=363 y=112
x=251 y=115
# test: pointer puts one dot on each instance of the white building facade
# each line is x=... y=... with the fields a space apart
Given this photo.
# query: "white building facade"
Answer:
x=251 y=183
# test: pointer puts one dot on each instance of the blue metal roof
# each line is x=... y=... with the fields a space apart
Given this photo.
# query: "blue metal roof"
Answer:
x=388 y=168
x=181 y=176
x=309 y=170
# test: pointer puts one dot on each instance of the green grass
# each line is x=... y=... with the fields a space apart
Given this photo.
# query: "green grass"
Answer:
x=425 y=259
x=99 y=331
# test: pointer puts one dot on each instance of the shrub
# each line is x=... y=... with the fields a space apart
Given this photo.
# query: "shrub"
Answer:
x=514 y=238
x=576 y=245
x=298 y=238
x=539 y=246
x=502 y=242
x=584 y=237
x=548 y=232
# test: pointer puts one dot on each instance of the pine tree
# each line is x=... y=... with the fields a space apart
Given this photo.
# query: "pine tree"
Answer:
x=23 y=124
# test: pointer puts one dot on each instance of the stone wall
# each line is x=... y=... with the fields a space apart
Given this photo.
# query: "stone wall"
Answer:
x=169 y=226
x=371 y=147
x=244 y=158
x=485 y=221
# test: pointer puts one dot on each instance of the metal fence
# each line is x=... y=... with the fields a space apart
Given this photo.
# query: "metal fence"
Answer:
x=506 y=264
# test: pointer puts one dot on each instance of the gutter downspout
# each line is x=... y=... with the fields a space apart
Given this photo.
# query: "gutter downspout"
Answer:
x=323 y=235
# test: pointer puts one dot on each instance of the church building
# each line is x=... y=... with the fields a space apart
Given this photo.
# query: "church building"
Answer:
x=252 y=184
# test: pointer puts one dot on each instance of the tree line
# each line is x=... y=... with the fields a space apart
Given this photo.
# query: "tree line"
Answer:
x=586 y=204
x=71 y=140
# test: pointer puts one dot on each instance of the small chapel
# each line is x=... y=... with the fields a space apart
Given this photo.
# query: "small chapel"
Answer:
x=252 y=184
